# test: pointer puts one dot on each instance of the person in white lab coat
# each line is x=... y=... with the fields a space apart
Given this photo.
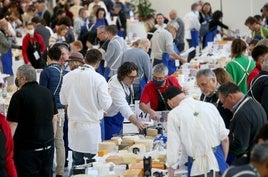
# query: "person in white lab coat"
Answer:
x=86 y=93
x=192 y=24
x=122 y=96
x=195 y=129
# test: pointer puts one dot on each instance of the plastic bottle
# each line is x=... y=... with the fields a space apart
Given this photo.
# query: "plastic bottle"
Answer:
x=131 y=15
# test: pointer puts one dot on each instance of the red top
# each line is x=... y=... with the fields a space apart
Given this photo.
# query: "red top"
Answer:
x=150 y=95
x=25 y=43
x=254 y=73
x=10 y=167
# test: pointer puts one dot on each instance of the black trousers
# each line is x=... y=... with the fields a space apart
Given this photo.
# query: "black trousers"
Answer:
x=31 y=163
x=181 y=46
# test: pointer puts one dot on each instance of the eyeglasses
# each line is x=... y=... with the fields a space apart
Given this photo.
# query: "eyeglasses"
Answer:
x=204 y=83
x=132 y=77
x=223 y=99
x=100 y=33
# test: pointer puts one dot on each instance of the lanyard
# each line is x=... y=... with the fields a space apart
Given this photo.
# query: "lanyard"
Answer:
x=241 y=104
x=211 y=101
x=84 y=67
x=129 y=97
x=104 y=43
x=162 y=98
x=255 y=170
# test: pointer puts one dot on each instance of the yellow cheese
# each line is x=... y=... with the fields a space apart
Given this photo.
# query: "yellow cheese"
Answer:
x=158 y=165
x=114 y=141
x=149 y=137
x=116 y=159
x=129 y=158
x=147 y=142
x=118 y=140
x=102 y=152
x=136 y=166
x=122 y=152
x=134 y=173
x=152 y=132
x=107 y=145
x=162 y=158
x=127 y=142
x=133 y=138
x=123 y=147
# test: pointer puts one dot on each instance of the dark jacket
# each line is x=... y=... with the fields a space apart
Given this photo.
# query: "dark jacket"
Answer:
x=259 y=89
x=51 y=78
x=226 y=114
x=44 y=32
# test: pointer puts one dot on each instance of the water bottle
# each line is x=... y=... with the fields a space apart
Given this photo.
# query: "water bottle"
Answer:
x=131 y=15
x=4 y=91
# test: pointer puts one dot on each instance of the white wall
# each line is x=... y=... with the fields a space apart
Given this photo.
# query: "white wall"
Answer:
x=235 y=12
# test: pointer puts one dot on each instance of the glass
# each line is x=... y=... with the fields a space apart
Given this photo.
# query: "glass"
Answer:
x=223 y=99
x=100 y=33
x=4 y=90
x=131 y=77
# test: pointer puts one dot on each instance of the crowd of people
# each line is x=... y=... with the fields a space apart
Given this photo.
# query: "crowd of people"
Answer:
x=91 y=77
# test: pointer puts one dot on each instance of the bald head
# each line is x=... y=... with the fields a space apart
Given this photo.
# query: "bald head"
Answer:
x=173 y=14
x=144 y=44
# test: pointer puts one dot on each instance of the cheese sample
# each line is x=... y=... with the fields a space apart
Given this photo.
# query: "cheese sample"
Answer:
x=122 y=152
x=101 y=153
x=107 y=145
x=134 y=173
x=162 y=158
x=159 y=165
x=123 y=147
x=117 y=140
x=133 y=138
x=129 y=158
x=152 y=132
x=116 y=159
x=147 y=142
x=127 y=142
x=136 y=165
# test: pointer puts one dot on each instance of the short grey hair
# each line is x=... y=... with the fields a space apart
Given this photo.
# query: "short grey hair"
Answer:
x=144 y=42
x=173 y=24
x=101 y=28
x=194 y=6
x=264 y=66
x=28 y=72
x=259 y=153
x=92 y=18
x=205 y=72
x=263 y=42
x=160 y=68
